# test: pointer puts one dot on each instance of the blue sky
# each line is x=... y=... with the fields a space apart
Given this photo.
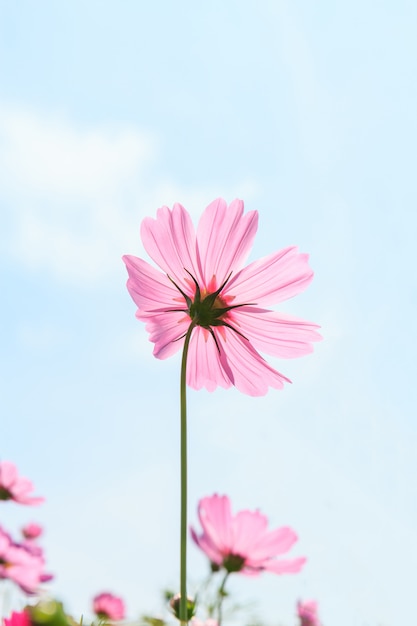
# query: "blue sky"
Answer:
x=304 y=110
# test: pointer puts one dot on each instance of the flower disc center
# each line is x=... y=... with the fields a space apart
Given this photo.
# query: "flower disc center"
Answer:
x=208 y=311
x=233 y=563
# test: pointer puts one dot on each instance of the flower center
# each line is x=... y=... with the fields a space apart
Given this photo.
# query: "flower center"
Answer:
x=233 y=563
x=208 y=309
x=5 y=494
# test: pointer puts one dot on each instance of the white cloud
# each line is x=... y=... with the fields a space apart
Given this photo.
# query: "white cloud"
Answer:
x=74 y=197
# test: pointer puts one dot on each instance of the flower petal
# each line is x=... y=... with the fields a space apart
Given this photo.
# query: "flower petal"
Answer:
x=216 y=520
x=224 y=237
x=8 y=474
x=276 y=334
x=287 y=566
x=203 y=362
x=247 y=526
x=150 y=289
x=251 y=373
x=166 y=331
x=206 y=545
x=170 y=241
x=272 y=543
x=272 y=279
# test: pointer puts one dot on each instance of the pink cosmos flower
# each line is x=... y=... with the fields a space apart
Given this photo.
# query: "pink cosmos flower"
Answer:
x=108 y=606
x=14 y=487
x=242 y=542
x=21 y=565
x=205 y=284
x=308 y=613
x=18 y=619
x=32 y=531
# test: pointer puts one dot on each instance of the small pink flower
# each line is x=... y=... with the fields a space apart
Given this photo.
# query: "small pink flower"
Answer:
x=241 y=542
x=32 y=531
x=204 y=284
x=308 y=613
x=108 y=606
x=14 y=487
x=18 y=619
x=20 y=564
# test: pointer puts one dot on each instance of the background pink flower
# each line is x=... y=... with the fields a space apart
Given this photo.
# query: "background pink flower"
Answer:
x=208 y=622
x=108 y=606
x=32 y=531
x=204 y=281
x=308 y=613
x=14 y=487
x=21 y=618
x=21 y=565
x=242 y=542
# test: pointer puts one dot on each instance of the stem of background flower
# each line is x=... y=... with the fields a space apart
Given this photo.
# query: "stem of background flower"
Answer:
x=221 y=594
x=183 y=529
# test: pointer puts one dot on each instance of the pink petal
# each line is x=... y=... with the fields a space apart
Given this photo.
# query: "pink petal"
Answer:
x=149 y=289
x=215 y=518
x=207 y=546
x=166 y=331
x=203 y=362
x=170 y=241
x=277 y=334
x=224 y=237
x=273 y=543
x=272 y=279
x=247 y=526
x=8 y=474
x=289 y=566
x=251 y=373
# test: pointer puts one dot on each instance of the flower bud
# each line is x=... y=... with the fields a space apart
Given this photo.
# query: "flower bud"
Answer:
x=174 y=603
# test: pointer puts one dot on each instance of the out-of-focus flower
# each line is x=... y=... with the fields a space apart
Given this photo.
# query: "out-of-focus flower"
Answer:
x=308 y=613
x=21 y=618
x=242 y=542
x=49 y=612
x=21 y=565
x=205 y=284
x=14 y=487
x=32 y=531
x=175 y=602
x=108 y=606
x=207 y=622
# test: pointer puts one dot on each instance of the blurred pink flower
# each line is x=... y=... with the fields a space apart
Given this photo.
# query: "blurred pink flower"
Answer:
x=204 y=283
x=207 y=622
x=308 y=613
x=14 y=487
x=241 y=542
x=21 y=565
x=108 y=606
x=18 y=619
x=32 y=531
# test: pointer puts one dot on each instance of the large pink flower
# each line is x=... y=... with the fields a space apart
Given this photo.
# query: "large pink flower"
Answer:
x=21 y=565
x=14 y=487
x=108 y=606
x=205 y=284
x=242 y=542
x=308 y=613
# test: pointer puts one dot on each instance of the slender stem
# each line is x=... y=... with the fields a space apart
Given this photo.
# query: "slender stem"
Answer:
x=221 y=595
x=183 y=529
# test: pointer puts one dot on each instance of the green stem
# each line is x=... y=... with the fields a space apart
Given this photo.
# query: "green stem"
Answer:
x=221 y=595
x=183 y=529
